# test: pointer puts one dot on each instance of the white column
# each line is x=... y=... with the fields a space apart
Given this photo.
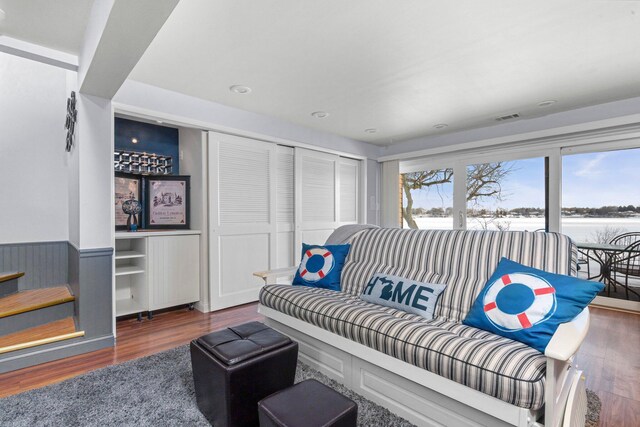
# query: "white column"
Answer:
x=390 y=194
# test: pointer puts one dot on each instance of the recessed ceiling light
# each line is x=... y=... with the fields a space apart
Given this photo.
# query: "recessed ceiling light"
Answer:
x=320 y=114
x=371 y=130
x=440 y=126
x=240 y=89
x=134 y=140
x=547 y=103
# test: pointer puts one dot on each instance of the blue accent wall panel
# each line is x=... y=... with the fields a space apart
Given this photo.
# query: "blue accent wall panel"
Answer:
x=151 y=139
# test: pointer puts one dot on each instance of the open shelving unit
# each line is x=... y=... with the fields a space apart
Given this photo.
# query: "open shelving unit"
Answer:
x=131 y=280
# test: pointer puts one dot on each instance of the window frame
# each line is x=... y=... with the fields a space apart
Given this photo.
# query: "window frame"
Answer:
x=459 y=164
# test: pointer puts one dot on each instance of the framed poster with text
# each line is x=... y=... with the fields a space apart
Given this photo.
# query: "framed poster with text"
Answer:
x=167 y=202
x=126 y=187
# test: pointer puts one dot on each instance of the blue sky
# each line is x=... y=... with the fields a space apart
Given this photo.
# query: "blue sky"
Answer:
x=589 y=180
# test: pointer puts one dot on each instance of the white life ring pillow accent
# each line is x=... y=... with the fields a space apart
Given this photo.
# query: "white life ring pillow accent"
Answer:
x=542 y=307
x=314 y=276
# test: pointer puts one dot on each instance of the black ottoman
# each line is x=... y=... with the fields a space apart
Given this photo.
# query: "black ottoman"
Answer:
x=234 y=368
x=308 y=404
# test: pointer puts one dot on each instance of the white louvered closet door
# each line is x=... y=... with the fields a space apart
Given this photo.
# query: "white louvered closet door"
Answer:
x=317 y=201
x=242 y=216
x=285 y=208
x=350 y=196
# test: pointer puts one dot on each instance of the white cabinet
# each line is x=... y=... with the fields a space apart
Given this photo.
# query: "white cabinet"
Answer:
x=174 y=270
x=156 y=270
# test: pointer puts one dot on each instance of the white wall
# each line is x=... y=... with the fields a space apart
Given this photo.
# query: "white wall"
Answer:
x=94 y=151
x=33 y=162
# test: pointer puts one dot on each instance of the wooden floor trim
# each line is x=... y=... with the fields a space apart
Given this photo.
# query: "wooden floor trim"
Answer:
x=41 y=342
x=34 y=299
x=5 y=277
x=59 y=330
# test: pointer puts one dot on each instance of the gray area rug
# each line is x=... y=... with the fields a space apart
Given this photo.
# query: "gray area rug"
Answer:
x=156 y=390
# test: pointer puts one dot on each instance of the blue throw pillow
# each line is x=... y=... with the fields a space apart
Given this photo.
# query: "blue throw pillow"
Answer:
x=527 y=305
x=321 y=266
x=403 y=294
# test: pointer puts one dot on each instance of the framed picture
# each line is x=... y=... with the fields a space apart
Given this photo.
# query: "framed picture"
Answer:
x=127 y=187
x=167 y=202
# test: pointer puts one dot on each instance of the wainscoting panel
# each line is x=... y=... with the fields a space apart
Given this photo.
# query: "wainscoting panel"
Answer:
x=44 y=263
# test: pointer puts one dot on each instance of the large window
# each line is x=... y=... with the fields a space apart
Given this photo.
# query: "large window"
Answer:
x=506 y=195
x=600 y=195
x=427 y=199
x=590 y=192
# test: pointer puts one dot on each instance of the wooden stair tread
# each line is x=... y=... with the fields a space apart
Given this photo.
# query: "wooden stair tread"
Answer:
x=59 y=330
x=5 y=277
x=34 y=299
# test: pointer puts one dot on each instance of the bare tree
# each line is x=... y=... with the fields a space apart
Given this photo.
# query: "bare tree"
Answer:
x=483 y=181
x=606 y=234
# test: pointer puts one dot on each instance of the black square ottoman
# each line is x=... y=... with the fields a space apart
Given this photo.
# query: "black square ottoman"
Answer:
x=308 y=404
x=236 y=367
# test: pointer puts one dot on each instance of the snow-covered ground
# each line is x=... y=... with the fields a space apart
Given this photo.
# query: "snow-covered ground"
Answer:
x=579 y=229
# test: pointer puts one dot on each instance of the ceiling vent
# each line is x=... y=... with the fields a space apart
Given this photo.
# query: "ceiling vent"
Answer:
x=507 y=117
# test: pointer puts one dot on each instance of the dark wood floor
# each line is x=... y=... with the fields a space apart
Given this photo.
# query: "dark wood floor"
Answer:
x=610 y=355
x=135 y=339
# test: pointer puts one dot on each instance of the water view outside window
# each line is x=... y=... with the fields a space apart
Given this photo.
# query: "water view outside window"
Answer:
x=600 y=195
x=500 y=196
x=601 y=213
x=427 y=199
x=506 y=196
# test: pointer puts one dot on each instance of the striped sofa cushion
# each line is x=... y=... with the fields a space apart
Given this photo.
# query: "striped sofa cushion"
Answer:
x=505 y=369
x=463 y=260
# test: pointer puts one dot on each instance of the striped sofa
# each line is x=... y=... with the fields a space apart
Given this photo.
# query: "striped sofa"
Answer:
x=463 y=260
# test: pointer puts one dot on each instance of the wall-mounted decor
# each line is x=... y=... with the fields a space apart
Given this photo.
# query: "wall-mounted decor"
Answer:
x=127 y=187
x=167 y=202
x=70 y=123
x=142 y=163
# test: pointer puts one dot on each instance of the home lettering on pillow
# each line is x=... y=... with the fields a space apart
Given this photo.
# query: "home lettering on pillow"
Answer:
x=403 y=294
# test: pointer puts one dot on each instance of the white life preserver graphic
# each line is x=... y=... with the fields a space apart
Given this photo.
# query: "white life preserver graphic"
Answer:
x=316 y=269
x=531 y=300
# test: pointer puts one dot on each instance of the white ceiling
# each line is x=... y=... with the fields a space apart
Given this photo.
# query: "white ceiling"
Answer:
x=398 y=66
x=56 y=24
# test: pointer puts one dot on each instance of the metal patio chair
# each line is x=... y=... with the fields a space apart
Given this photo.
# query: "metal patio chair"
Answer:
x=625 y=265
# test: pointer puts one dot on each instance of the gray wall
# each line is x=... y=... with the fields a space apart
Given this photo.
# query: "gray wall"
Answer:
x=44 y=263
x=90 y=275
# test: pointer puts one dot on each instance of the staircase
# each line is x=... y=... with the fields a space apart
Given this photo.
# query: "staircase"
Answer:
x=34 y=317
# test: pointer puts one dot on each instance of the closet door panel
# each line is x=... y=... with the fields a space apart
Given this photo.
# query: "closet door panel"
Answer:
x=349 y=171
x=285 y=256
x=317 y=201
x=316 y=237
x=285 y=207
x=242 y=254
x=242 y=216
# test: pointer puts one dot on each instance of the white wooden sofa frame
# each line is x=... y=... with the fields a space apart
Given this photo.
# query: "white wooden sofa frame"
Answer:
x=425 y=398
